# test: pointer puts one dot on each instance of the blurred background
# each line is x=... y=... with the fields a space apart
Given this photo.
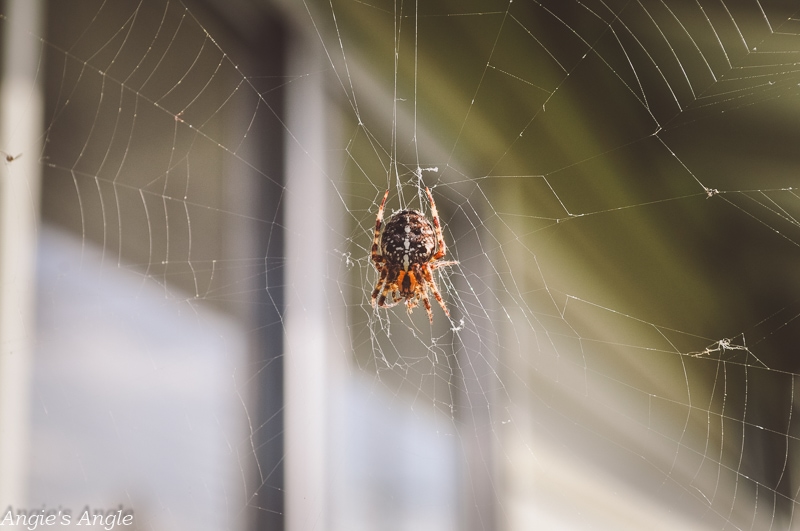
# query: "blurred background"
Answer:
x=188 y=194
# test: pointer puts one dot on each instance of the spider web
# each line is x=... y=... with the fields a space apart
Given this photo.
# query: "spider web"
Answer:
x=614 y=179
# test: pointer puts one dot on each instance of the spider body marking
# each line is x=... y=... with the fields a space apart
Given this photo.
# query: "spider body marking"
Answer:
x=405 y=254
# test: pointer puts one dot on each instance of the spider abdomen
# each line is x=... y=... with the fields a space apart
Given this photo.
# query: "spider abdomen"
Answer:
x=408 y=239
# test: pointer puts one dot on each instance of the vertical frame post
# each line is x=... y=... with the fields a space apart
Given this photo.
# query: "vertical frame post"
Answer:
x=21 y=115
x=306 y=320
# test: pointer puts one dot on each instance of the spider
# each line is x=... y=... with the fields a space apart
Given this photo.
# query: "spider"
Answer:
x=410 y=249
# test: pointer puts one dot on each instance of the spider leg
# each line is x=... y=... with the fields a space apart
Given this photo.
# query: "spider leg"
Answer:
x=384 y=273
x=376 y=239
x=427 y=303
x=418 y=291
x=426 y=272
x=441 y=263
x=378 y=260
x=411 y=302
x=389 y=289
x=441 y=249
